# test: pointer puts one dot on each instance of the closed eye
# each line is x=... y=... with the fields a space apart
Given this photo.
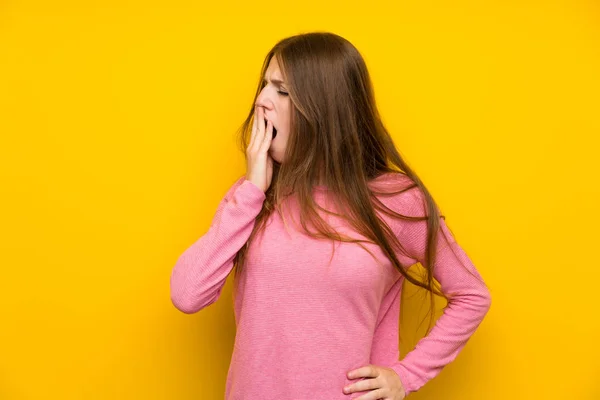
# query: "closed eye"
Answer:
x=282 y=93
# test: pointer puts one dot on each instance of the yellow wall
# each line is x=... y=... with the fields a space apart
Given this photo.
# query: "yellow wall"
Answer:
x=117 y=123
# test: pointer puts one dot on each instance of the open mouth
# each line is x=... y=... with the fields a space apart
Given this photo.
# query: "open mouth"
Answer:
x=274 y=130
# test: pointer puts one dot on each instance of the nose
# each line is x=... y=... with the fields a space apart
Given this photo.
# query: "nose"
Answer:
x=263 y=101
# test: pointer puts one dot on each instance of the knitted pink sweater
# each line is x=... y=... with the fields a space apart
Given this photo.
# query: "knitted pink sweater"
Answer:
x=302 y=321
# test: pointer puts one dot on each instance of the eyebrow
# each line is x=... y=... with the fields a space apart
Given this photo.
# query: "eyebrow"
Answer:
x=275 y=81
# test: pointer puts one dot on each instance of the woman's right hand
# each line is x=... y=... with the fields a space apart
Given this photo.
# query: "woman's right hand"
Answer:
x=260 y=163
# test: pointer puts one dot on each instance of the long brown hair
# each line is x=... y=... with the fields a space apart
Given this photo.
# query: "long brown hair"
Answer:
x=337 y=139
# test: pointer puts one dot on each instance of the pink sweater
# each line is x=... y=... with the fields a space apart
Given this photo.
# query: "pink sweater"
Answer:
x=302 y=322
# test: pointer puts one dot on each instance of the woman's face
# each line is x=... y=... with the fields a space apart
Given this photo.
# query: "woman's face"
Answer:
x=275 y=100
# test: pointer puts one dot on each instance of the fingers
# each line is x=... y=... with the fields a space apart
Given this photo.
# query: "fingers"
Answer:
x=254 y=128
x=268 y=136
x=259 y=132
x=261 y=122
x=260 y=164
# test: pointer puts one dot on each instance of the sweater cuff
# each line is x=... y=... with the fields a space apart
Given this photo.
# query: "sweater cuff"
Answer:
x=249 y=185
x=405 y=377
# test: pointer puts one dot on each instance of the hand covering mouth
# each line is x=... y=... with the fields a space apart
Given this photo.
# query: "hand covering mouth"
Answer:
x=274 y=130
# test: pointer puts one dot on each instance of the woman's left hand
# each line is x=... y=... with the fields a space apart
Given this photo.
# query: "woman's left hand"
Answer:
x=385 y=383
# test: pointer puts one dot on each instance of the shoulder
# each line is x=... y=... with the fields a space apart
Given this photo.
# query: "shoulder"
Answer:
x=392 y=180
x=399 y=192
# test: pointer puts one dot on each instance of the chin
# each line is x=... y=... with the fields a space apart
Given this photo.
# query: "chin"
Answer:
x=276 y=158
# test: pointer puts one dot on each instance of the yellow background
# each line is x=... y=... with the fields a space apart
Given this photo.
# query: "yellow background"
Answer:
x=117 y=125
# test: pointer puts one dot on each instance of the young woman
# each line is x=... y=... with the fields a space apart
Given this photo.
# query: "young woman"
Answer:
x=322 y=230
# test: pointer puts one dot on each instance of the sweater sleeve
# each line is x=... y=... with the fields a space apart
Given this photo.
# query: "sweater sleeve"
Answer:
x=201 y=271
x=457 y=275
